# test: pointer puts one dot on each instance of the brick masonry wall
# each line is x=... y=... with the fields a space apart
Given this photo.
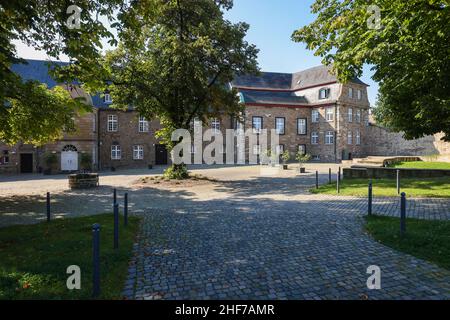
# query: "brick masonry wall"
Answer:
x=382 y=142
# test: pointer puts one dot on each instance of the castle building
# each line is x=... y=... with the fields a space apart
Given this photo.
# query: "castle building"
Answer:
x=311 y=110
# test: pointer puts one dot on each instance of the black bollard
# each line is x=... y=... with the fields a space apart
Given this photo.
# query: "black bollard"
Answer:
x=96 y=260
x=317 y=179
x=337 y=184
x=329 y=175
x=115 y=196
x=369 y=206
x=339 y=173
x=48 y=206
x=125 y=210
x=398 y=181
x=402 y=213
x=116 y=226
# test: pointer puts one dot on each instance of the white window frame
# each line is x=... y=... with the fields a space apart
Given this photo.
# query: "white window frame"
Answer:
x=116 y=152
x=107 y=98
x=279 y=149
x=143 y=124
x=358 y=137
x=302 y=126
x=303 y=147
x=255 y=129
x=138 y=152
x=324 y=93
x=314 y=137
x=349 y=138
x=358 y=116
x=113 y=123
x=329 y=114
x=359 y=94
x=282 y=130
x=215 y=125
x=350 y=93
x=329 y=137
x=315 y=116
x=350 y=114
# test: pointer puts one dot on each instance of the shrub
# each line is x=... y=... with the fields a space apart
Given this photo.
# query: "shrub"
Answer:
x=285 y=156
x=302 y=158
x=50 y=160
x=86 y=161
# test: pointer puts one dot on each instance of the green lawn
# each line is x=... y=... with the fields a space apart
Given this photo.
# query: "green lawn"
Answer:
x=34 y=258
x=423 y=165
x=434 y=187
x=428 y=240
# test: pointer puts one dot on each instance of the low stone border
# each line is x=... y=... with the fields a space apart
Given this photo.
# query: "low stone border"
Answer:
x=83 y=180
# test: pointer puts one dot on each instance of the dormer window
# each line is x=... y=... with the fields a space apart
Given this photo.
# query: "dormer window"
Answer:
x=107 y=98
x=324 y=93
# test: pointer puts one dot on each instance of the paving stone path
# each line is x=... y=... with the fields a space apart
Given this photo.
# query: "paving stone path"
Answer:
x=245 y=237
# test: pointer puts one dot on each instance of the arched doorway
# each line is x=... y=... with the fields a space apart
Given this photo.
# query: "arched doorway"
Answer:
x=69 y=158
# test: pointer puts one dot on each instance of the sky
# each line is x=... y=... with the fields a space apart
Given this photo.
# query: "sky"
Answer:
x=272 y=23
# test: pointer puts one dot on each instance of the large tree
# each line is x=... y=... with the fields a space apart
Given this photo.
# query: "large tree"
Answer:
x=29 y=111
x=409 y=48
x=175 y=61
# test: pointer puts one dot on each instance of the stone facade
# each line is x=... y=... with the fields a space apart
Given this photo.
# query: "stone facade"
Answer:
x=382 y=142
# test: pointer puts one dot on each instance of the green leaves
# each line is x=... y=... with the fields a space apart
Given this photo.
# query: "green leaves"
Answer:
x=409 y=54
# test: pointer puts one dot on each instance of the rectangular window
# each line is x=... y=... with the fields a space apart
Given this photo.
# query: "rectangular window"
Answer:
x=116 y=152
x=350 y=115
x=329 y=137
x=316 y=158
x=113 y=123
x=302 y=148
x=350 y=93
x=279 y=125
x=359 y=93
x=4 y=159
x=107 y=98
x=324 y=93
x=366 y=121
x=314 y=138
x=349 y=137
x=329 y=114
x=358 y=115
x=256 y=149
x=138 y=152
x=301 y=126
x=315 y=116
x=358 y=137
x=215 y=125
x=143 y=124
x=257 y=123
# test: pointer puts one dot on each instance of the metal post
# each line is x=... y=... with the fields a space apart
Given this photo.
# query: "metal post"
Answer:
x=317 y=179
x=115 y=196
x=48 y=206
x=96 y=260
x=125 y=210
x=329 y=175
x=403 y=213
x=116 y=226
x=369 y=207
x=398 y=181
x=339 y=173
x=337 y=184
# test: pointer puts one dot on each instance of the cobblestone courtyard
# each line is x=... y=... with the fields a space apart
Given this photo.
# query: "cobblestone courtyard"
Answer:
x=245 y=236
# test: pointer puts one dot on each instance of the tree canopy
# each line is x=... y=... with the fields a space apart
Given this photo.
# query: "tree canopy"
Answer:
x=175 y=61
x=408 y=47
x=29 y=111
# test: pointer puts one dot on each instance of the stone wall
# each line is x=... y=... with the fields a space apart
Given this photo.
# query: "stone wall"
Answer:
x=382 y=142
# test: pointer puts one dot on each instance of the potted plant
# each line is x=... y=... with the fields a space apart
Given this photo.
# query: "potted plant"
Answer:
x=302 y=158
x=150 y=166
x=86 y=162
x=285 y=157
x=50 y=160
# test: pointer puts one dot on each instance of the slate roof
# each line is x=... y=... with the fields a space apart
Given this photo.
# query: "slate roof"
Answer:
x=272 y=97
x=286 y=81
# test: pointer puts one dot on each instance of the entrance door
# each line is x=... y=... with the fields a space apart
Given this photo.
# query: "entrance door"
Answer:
x=69 y=161
x=26 y=163
x=160 y=154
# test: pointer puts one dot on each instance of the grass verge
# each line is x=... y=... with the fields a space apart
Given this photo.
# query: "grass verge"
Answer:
x=431 y=188
x=425 y=239
x=34 y=258
x=423 y=165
